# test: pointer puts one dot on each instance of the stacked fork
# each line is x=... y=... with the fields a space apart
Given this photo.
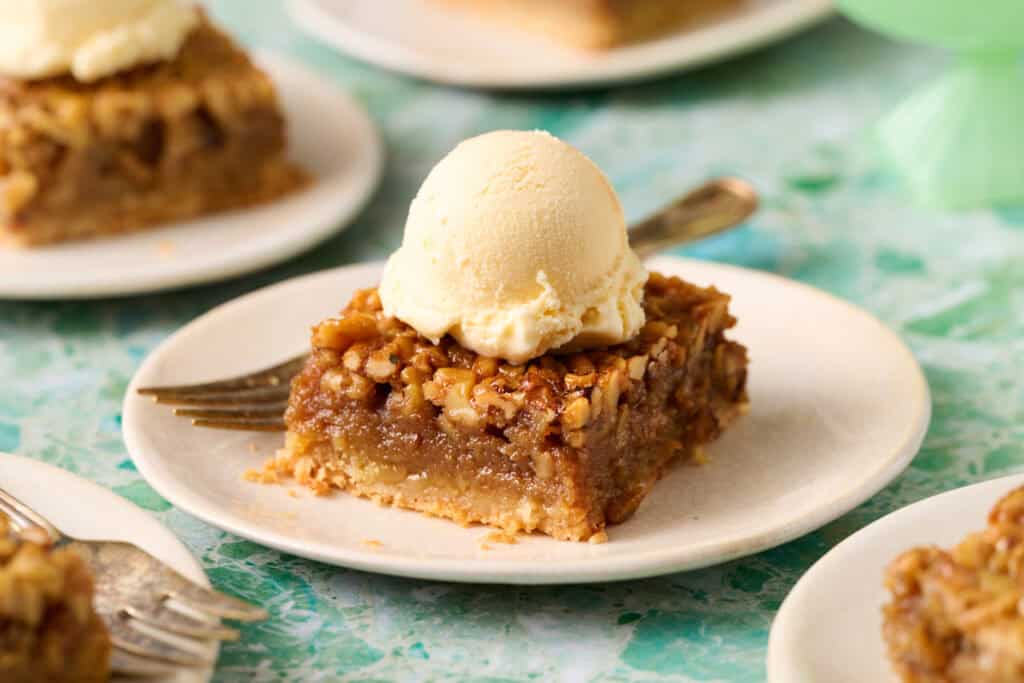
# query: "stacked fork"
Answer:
x=158 y=620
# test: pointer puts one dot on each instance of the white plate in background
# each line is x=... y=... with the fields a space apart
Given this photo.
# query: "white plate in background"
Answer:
x=330 y=135
x=829 y=628
x=85 y=510
x=838 y=409
x=420 y=38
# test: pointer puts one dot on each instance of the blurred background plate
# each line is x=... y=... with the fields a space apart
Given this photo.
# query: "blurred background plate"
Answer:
x=417 y=38
x=330 y=135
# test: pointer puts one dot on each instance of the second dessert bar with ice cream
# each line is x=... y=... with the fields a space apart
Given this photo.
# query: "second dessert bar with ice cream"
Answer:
x=121 y=115
x=517 y=366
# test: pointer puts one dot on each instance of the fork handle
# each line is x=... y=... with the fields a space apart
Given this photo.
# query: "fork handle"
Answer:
x=14 y=507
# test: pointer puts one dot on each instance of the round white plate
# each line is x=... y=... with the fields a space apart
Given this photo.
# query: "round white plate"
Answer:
x=83 y=509
x=330 y=135
x=420 y=38
x=839 y=407
x=830 y=626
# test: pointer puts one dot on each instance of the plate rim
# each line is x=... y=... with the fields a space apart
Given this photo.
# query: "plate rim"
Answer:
x=794 y=16
x=509 y=570
x=194 y=572
x=784 y=616
x=363 y=188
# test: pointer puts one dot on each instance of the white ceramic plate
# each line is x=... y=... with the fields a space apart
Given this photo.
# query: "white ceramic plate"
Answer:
x=839 y=407
x=83 y=509
x=330 y=135
x=830 y=626
x=419 y=38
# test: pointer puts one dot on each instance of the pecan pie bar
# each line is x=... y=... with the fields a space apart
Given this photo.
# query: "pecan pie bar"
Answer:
x=956 y=616
x=564 y=444
x=594 y=24
x=48 y=628
x=164 y=142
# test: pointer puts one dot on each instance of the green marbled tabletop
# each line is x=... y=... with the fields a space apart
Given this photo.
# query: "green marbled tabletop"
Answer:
x=793 y=119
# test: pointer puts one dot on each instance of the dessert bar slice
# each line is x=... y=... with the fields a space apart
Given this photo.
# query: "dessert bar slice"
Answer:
x=564 y=444
x=48 y=628
x=163 y=142
x=955 y=616
x=594 y=24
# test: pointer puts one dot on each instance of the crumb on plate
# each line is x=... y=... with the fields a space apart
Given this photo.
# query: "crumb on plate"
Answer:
x=500 y=536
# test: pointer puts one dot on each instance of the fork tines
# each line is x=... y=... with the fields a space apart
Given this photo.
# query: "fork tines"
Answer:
x=253 y=402
x=158 y=620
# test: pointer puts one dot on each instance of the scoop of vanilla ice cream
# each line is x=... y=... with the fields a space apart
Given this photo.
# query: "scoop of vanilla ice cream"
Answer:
x=516 y=244
x=89 y=39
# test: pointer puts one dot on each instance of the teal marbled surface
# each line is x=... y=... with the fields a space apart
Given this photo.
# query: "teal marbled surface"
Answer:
x=793 y=119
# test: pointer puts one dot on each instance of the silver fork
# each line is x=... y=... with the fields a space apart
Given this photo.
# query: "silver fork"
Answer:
x=158 y=619
x=257 y=401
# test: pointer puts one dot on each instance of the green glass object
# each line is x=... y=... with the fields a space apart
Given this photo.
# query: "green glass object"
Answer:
x=960 y=140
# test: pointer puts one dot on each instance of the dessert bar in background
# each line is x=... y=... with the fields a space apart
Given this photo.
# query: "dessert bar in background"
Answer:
x=594 y=24
x=49 y=630
x=164 y=140
x=955 y=615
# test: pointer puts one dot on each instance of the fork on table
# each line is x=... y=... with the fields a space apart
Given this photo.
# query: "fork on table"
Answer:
x=158 y=620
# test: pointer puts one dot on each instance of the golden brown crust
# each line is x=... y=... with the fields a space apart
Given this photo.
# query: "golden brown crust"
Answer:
x=48 y=628
x=956 y=616
x=594 y=24
x=564 y=444
x=168 y=141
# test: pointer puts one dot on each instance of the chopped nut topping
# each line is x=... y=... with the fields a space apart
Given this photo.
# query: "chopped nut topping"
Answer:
x=340 y=333
x=564 y=395
x=637 y=367
x=382 y=365
x=576 y=414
